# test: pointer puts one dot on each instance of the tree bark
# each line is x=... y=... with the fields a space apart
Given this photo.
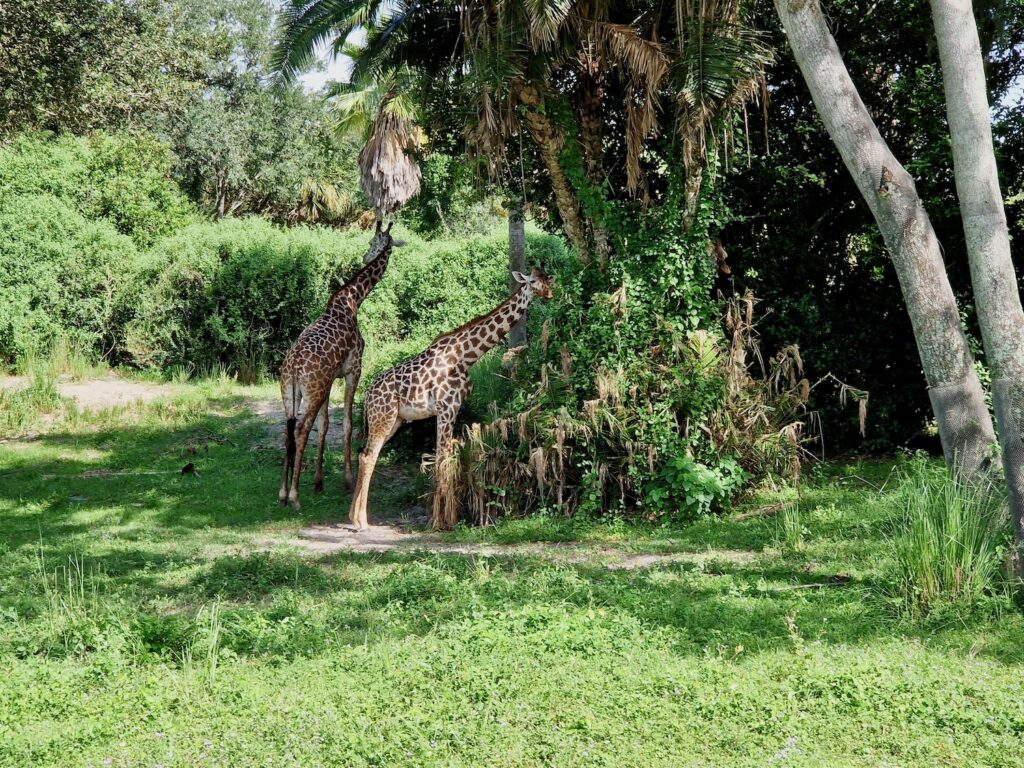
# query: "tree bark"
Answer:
x=549 y=142
x=957 y=399
x=591 y=93
x=988 y=243
x=516 y=263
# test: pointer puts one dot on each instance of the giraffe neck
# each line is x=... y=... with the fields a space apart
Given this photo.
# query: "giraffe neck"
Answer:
x=362 y=282
x=485 y=332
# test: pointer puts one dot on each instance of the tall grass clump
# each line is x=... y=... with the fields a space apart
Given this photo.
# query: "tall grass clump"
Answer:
x=949 y=542
x=790 y=530
x=22 y=408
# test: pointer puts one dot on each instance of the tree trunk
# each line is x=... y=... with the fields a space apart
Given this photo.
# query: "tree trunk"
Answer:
x=549 y=142
x=988 y=243
x=516 y=263
x=591 y=93
x=691 y=200
x=953 y=386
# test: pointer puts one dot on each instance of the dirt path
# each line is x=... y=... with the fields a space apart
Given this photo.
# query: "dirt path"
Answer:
x=98 y=394
x=404 y=530
x=394 y=536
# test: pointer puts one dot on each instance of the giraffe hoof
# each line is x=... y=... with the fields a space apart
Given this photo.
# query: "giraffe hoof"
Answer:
x=318 y=486
x=295 y=505
x=282 y=502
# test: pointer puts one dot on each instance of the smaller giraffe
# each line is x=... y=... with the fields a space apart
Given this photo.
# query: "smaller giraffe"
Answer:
x=329 y=348
x=434 y=383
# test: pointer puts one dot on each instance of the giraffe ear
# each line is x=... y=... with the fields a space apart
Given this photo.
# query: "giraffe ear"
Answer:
x=519 y=277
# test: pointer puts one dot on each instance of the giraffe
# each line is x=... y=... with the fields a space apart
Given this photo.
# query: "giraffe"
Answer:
x=330 y=348
x=434 y=383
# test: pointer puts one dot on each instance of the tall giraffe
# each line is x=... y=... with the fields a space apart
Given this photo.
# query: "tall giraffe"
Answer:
x=434 y=383
x=330 y=348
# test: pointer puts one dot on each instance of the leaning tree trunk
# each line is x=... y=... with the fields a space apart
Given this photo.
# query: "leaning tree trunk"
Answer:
x=516 y=263
x=953 y=386
x=549 y=142
x=988 y=243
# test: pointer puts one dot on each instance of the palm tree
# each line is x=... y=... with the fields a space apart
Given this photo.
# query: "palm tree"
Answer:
x=376 y=103
x=607 y=70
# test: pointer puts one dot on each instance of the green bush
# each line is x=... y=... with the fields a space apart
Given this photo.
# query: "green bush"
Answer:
x=235 y=294
x=125 y=180
x=61 y=277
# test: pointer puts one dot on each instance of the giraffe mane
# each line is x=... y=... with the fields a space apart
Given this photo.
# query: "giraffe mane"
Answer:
x=475 y=320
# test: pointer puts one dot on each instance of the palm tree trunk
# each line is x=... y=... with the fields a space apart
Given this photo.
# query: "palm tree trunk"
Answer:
x=516 y=263
x=953 y=386
x=691 y=201
x=592 y=142
x=988 y=243
x=549 y=142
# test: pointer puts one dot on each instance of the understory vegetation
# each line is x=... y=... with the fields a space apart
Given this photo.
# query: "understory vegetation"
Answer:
x=100 y=252
x=169 y=618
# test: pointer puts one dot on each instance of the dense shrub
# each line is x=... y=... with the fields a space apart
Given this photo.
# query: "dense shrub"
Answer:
x=123 y=179
x=235 y=294
x=61 y=276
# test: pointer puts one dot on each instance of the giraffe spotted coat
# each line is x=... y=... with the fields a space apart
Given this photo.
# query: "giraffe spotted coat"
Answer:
x=435 y=383
x=329 y=348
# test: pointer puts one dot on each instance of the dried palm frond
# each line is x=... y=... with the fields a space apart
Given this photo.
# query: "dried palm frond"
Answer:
x=388 y=174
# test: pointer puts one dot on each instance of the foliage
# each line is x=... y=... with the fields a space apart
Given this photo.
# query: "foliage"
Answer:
x=244 y=144
x=452 y=200
x=597 y=428
x=79 y=65
x=692 y=488
x=119 y=178
x=803 y=240
x=132 y=594
x=62 y=277
x=193 y=73
x=949 y=543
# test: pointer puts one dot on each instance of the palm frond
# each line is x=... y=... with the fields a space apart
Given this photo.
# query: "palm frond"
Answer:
x=305 y=26
x=546 y=18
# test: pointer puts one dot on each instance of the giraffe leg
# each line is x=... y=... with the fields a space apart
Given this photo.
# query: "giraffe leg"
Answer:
x=322 y=425
x=290 y=396
x=301 y=437
x=380 y=433
x=351 y=382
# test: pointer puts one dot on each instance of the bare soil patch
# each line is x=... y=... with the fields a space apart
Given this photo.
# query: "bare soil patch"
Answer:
x=100 y=394
x=331 y=538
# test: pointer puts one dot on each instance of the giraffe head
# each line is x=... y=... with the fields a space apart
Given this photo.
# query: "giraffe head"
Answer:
x=382 y=243
x=538 y=282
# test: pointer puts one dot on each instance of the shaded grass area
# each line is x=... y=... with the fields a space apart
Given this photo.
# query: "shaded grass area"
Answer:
x=149 y=617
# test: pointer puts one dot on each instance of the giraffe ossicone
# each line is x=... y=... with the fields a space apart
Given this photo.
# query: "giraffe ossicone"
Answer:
x=435 y=383
x=330 y=348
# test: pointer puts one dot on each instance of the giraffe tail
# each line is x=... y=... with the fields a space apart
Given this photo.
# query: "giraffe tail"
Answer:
x=289 y=446
x=289 y=436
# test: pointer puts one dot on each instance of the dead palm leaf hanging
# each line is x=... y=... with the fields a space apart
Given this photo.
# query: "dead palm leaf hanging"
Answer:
x=389 y=173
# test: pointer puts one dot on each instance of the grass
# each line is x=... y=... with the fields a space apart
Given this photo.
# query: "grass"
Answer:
x=153 y=618
x=950 y=543
x=22 y=408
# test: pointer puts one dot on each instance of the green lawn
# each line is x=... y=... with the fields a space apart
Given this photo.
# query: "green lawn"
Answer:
x=150 y=618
